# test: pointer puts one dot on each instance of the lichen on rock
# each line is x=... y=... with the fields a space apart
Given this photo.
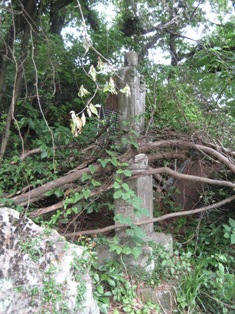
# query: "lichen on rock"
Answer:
x=41 y=272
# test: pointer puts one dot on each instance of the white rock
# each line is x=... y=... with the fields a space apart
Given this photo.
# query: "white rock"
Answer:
x=40 y=272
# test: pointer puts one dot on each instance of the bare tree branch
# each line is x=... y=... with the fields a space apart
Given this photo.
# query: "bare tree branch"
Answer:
x=204 y=149
x=164 y=217
x=46 y=210
x=38 y=150
x=77 y=173
x=49 y=209
x=52 y=185
x=188 y=177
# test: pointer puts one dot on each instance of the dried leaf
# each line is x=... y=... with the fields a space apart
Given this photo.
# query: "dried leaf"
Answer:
x=89 y=112
x=83 y=92
x=83 y=119
x=126 y=90
x=73 y=129
x=110 y=86
x=92 y=73
x=79 y=124
x=93 y=109
x=86 y=45
x=100 y=64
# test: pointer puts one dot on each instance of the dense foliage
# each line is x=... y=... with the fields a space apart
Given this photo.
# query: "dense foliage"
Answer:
x=59 y=56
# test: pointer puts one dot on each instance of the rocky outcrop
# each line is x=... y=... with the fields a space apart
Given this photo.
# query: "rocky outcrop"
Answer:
x=40 y=272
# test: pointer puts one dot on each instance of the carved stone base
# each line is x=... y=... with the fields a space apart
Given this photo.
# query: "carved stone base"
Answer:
x=144 y=260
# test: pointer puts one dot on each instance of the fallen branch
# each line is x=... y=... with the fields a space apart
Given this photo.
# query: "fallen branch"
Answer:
x=75 y=175
x=49 y=209
x=185 y=144
x=189 y=177
x=39 y=150
x=52 y=185
x=166 y=170
x=35 y=193
x=145 y=222
x=167 y=155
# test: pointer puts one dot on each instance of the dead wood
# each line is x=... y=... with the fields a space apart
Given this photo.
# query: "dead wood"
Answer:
x=161 y=218
x=164 y=149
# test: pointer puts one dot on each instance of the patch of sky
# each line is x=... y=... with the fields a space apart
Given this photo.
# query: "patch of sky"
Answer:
x=192 y=35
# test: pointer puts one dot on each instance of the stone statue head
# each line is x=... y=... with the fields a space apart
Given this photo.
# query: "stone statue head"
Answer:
x=131 y=59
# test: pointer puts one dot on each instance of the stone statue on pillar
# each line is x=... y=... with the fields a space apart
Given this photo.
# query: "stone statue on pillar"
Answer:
x=131 y=104
x=131 y=110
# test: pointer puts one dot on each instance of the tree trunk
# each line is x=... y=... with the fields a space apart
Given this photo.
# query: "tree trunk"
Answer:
x=16 y=90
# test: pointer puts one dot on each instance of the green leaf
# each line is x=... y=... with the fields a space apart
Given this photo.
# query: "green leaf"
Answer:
x=118 y=250
x=111 y=282
x=44 y=154
x=136 y=145
x=227 y=228
x=232 y=222
x=233 y=238
x=116 y=185
x=118 y=179
x=120 y=171
x=127 y=250
x=100 y=289
x=127 y=309
x=77 y=197
x=117 y=194
x=96 y=277
x=136 y=231
x=95 y=183
x=104 y=162
x=50 y=192
x=85 y=177
x=68 y=212
x=115 y=311
x=114 y=161
x=215 y=49
x=125 y=164
x=108 y=294
x=126 y=196
x=137 y=202
x=136 y=251
x=127 y=173
x=111 y=153
x=75 y=209
x=59 y=193
x=92 y=169
x=31 y=123
x=86 y=193
x=123 y=219
x=126 y=187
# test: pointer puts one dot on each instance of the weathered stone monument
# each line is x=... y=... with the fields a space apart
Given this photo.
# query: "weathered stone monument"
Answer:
x=131 y=109
x=131 y=105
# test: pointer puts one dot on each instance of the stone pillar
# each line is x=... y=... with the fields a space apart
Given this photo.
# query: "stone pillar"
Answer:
x=131 y=109
x=131 y=105
x=143 y=188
